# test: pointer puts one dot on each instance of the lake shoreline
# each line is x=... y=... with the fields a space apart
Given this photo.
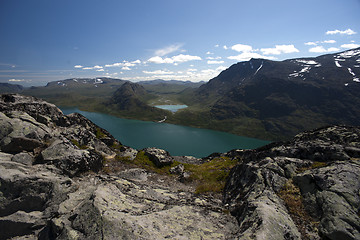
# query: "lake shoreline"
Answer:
x=178 y=140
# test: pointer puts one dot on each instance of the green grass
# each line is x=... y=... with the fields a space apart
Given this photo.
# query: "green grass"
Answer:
x=76 y=143
x=292 y=198
x=211 y=176
x=207 y=177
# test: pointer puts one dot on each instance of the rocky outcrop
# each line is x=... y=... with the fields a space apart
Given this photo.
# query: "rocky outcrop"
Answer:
x=55 y=183
x=52 y=185
x=307 y=188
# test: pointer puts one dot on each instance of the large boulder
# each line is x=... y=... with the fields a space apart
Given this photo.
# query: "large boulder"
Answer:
x=158 y=156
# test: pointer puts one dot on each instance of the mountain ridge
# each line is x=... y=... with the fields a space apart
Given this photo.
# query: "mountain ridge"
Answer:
x=284 y=97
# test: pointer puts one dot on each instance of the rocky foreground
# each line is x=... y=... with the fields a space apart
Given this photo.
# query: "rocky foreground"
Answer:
x=63 y=177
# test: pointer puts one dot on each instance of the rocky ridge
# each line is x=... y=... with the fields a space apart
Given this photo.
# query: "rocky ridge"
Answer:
x=63 y=177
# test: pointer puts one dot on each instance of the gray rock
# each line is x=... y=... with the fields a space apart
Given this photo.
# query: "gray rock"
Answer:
x=24 y=158
x=137 y=174
x=71 y=160
x=158 y=156
x=332 y=192
x=178 y=169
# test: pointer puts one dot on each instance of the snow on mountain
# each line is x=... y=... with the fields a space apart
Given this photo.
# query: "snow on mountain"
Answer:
x=311 y=62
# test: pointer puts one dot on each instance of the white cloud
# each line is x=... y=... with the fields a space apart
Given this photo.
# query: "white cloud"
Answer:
x=279 y=49
x=225 y=47
x=242 y=48
x=213 y=58
x=78 y=66
x=318 y=49
x=310 y=43
x=16 y=80
x=114 y=65
x=124 y=64
x=214 y=62
x=321 y=49
x=329 y=41
x=209 y=53
x=175 y=59
x=169 y=49
x=158 y=59
x=160 y=72
x=213 y=71
x=350 y=45
x=185 y=58
x=245 y=56
x=333 y=49
x=100 y=70
x=92 y=68
x=217 y=45
x=126 y=68
x=345 y=32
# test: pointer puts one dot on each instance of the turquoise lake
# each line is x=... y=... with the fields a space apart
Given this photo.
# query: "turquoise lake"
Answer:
x=176 y=139
x=172 y=108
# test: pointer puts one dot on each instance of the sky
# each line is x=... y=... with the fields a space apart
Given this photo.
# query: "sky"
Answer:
x=137 y=40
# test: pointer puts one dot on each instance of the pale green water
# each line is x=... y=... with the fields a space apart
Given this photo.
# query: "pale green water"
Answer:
x=172 y=108
x=178 y=140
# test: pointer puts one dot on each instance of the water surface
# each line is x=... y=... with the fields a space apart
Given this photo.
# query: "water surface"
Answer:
x=172 y=108
x=176 y=139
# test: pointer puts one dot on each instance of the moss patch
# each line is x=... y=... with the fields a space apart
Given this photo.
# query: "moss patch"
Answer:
x=76 y=143
x=291 y=195
x=211 y=176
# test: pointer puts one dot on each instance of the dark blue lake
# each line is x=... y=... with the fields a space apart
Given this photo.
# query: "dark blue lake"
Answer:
x=176 y=139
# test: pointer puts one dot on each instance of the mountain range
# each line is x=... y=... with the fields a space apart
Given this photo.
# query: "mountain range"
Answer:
x=260 y=98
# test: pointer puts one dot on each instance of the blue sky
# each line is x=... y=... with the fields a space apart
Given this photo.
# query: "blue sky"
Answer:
x=48 y=40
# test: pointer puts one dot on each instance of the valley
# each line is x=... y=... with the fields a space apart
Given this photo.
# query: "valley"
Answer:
x=259 y=98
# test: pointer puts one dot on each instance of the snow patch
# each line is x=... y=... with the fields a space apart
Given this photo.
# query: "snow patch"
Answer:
x=340 y=59
x=319 y=65
x=294 y=75
x=259 y=68
x=356 y=80
x=311 y=62
x=338 y=64
x=98 y=81
x=351 y=72
x=346 y=84
x=305 y=69
x=349 y=54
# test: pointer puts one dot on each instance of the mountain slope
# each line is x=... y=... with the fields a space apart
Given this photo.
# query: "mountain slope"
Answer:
x=130 y=101
x=279 y=99
x=10 y=88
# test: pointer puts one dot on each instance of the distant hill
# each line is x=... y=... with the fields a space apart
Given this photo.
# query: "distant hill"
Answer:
x=130 y=101
x=10 y=88
x=278 y=99
x=176 y=82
